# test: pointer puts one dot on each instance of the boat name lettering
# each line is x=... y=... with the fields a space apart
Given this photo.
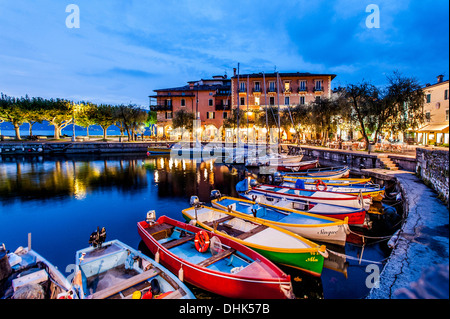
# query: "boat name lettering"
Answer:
x=314 y=259
x=328 y=233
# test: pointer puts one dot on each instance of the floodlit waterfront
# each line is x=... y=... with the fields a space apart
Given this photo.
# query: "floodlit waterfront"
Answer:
x=61 y=200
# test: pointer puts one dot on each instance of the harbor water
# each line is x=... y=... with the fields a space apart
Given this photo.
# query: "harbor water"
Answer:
x=62 y=200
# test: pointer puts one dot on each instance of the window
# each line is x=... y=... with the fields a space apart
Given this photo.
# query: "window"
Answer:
x=242 y=100
x=428 y=98
x=242 y=87
x=446 y=115
x=317 y=98
x=168 y=102
x=210 y=115
x=287 y=86
x=286 y=100
x=302 y=85
x=272 y=100
x=257 y=100
x=272 y=86
x=257 y=87
x=302 y=100
x=446 y=95
x=428 y=116
x=225 y=115
x=168 y=115
x=318 y=85
x=210 y=102
x=183 y=102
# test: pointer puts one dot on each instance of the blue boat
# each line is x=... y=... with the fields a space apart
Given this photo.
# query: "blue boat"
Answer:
x=114 y=270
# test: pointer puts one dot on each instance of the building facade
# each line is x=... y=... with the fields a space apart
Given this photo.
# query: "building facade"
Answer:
x=435 y=130
x=208 y=99
x=212 y=101
x=257 y=91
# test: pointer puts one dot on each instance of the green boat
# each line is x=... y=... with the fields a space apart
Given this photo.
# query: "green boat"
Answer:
x=276 y=244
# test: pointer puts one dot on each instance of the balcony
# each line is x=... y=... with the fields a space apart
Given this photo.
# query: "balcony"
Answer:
x=318 y=89
x=287 y=90
x=272 y=90
x=161 y=108
x=222 y=107
x=302 y=90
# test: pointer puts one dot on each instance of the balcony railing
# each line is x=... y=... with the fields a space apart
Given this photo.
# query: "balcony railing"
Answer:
x=318 y=89
x=302 y=90
x=161 y=107
x=222 y=107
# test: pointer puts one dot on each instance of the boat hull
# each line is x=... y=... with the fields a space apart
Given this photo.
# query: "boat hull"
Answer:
x=355 y=217
x=308 y=260
x=334 y=231
x=227 y=285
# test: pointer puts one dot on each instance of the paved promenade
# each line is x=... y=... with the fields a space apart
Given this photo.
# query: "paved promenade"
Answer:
x=418 y=265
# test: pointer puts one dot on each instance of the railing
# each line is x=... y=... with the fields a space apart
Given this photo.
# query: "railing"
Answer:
x=222 y=107
x=161 y=107
x=300 y=89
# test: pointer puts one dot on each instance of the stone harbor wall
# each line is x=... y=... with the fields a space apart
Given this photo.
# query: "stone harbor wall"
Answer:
x=433 y=168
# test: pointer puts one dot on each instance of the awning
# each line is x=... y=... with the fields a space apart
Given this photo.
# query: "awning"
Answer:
x=439 y=128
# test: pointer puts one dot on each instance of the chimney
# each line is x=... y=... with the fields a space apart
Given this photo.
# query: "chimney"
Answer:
x=234 y=71
x=440 y=77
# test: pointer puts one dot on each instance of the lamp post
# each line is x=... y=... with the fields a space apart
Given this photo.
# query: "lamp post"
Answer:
x=73 y=122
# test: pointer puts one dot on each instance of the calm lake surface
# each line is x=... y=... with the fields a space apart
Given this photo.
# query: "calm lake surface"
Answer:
x=62 y=200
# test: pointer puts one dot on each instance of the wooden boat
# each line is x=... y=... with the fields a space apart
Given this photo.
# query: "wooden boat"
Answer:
x=328 y=173
x=327 y=181
x=356 y=216
x=314 y=227
x=295 y=167
x=159 y=149
x=314 y=196
x=273 y=159
x=373 y=190
x=25 y=274
x=116 y=271
x=226 y=268
x=274 y=243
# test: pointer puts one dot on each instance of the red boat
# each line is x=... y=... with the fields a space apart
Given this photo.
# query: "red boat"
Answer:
x=296 y=167
x=226 y=267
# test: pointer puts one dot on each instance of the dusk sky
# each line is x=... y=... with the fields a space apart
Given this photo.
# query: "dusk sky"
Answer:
x=123 y=50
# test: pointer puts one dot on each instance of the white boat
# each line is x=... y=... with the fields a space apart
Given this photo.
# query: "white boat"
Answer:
x=311 y=226
x=114 y=270
x=25 y=274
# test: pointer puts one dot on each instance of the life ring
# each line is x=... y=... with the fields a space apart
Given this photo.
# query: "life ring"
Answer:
x=201 y=241
x=320 y=182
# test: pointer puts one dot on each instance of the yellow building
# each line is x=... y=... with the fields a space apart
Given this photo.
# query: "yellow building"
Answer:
x=435 y=129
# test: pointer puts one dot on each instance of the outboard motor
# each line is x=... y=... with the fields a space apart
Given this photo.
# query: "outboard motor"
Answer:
x=277 y=178
x=253 y=183
x=194 y=201
x=215 y=194
x=5 y=267
x=151 y=216
x=98 y=237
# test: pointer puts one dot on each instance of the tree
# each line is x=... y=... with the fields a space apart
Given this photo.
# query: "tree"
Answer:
x=396 y=107
x=59 y=113
x=85 y=115
x=11 y=110
x=184 y=120
x=104 y=117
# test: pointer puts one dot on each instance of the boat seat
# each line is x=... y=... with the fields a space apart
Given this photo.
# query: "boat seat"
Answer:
x=177 y=242
x=252 y=232
x=160 y=231
x=124 y=284
x=219 y=256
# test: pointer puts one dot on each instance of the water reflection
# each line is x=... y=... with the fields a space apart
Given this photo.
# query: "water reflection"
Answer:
x=31 y=179
x=25 y=179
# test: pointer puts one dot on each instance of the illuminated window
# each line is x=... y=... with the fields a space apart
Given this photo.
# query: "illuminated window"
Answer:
x=257 y=100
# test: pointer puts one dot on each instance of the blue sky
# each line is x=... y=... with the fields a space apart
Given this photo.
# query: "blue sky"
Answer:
x=124 y=50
